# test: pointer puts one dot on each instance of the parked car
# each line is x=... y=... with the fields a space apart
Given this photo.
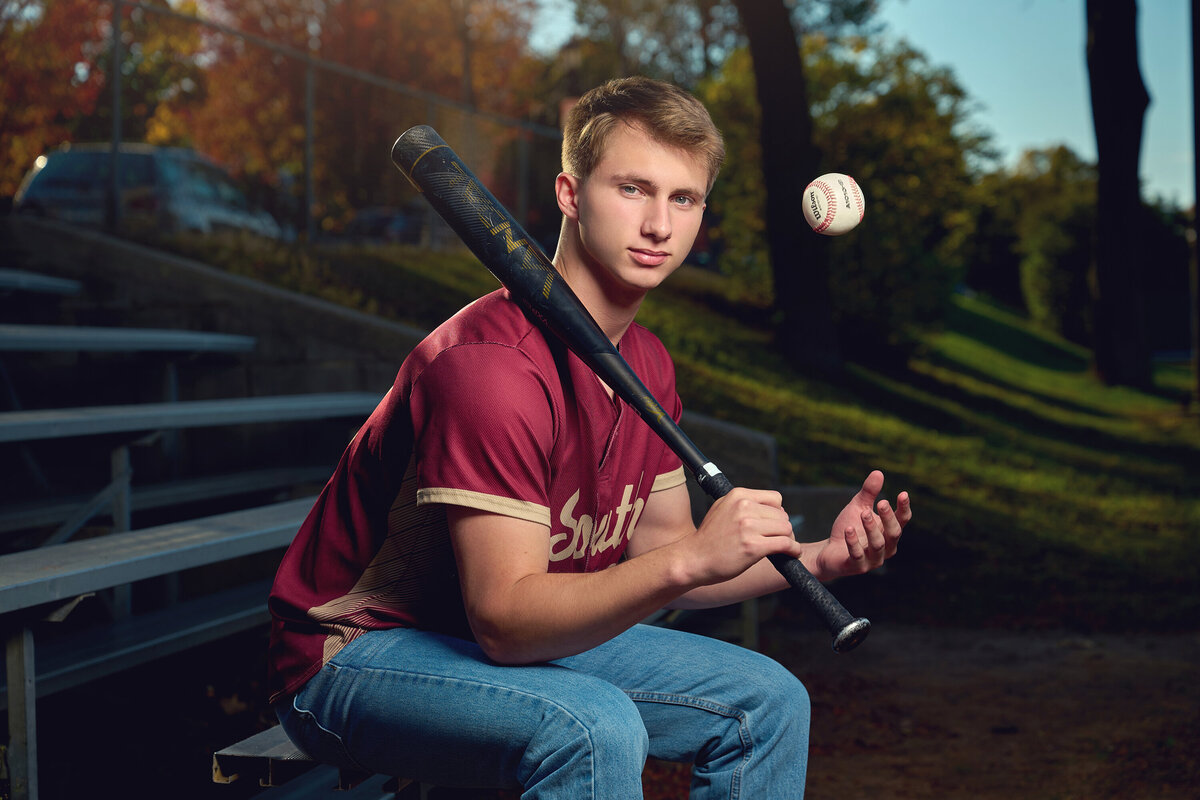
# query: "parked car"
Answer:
x=170 y=189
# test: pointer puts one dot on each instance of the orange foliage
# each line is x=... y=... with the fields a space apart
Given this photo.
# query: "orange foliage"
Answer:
x=253 y=120
x=54 y=82
x=42 y=92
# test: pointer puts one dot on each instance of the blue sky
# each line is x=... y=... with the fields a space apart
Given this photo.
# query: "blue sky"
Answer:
x=1023 y=63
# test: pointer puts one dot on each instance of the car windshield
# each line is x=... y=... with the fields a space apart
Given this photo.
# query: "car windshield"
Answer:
x=204 y=182
x=82 y=169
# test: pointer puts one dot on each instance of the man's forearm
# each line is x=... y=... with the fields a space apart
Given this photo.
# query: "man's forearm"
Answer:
x=544 y=616
x=760 y=579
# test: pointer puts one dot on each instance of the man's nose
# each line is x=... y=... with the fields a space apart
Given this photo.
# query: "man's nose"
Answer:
x=657 y=222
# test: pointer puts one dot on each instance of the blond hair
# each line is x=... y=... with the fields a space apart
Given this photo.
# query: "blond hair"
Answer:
x=668 y=114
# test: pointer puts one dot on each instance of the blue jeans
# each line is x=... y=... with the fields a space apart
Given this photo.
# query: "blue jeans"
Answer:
x=434 y=708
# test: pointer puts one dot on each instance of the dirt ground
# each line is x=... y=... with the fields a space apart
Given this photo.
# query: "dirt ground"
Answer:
x=935 y=713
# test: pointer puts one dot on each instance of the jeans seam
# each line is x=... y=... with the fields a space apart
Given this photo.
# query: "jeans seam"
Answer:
x=312 y=717
x=702 y=704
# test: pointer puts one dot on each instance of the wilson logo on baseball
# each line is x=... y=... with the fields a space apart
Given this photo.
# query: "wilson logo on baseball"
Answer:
x=833 y=204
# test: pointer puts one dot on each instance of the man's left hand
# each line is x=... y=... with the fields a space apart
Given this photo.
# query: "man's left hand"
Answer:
x=865 y=534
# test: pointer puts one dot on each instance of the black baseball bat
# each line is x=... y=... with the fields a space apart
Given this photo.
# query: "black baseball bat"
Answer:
x=508 y=252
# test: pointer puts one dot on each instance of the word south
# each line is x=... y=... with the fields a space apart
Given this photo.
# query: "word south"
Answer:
x=584 y=535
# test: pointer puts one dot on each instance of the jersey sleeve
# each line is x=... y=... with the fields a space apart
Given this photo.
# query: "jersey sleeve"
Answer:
x=485 y=429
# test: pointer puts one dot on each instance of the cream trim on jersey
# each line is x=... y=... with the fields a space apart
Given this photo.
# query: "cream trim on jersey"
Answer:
x=506 y=506
x=521 y=509
x=669 y=480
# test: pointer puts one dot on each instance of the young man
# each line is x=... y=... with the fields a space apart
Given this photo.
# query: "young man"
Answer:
x=462 y=605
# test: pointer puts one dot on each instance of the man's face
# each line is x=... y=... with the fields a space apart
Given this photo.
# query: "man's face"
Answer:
x=639 y=210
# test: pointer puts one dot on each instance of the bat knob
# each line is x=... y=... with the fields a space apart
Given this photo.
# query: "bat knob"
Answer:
x=852 y=635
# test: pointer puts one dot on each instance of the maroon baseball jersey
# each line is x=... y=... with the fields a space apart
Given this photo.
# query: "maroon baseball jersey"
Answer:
x=487 y=412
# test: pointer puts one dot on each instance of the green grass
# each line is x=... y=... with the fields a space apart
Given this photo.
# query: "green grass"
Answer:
x=1042 y=498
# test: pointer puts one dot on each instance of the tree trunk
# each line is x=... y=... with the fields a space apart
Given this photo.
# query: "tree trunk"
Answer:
x=1195 y=237
x=1119 y=102
x=799 y=258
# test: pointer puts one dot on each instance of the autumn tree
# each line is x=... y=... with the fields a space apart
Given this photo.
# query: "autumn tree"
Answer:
x=253 y=121
x=56 y=77
x=47 y=83
x=443 y=52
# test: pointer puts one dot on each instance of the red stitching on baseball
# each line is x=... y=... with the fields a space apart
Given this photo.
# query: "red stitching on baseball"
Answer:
x=830 y=204
x=858 y=198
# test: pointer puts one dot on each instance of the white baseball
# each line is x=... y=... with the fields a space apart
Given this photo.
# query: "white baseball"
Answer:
x=833 y=204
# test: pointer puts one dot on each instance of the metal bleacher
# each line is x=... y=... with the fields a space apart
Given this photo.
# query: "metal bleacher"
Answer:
x=43 y=583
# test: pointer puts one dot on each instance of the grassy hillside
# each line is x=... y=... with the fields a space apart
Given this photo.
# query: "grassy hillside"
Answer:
x=1042 y=497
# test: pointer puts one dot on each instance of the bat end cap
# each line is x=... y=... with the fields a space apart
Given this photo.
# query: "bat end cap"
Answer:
x=852 y=635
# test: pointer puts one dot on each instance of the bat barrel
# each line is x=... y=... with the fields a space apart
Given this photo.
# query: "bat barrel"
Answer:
x=467 y=206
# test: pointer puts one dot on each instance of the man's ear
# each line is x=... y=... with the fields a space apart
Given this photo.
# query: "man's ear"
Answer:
x=566 y=191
